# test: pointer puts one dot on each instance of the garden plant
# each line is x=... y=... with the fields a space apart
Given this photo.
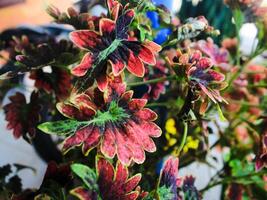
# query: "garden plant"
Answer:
x=128 y=97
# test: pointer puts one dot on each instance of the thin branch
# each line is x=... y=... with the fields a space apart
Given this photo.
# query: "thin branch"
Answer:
x=156 y=80
x=231 y=179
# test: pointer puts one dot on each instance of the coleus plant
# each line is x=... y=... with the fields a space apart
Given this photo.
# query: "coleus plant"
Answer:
x=128 y=104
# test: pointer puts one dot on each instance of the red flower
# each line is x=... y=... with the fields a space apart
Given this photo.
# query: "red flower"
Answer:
x=59 y=81
x=156 y=89
x=22 y=117
x=113 y=44
x=261 y=158
x=112 y=183
x=199 y=74
x=169 y=177
x=219 y=56
x=117 y=121
x=259 y=73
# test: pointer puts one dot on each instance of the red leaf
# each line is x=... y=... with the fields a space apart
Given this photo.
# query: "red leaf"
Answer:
x=123 y=150
x=151 y=129
x=106 y=26
x=91 y=141
x=132 y=182
x=105 y=173
x=137 y=104
x=82 y=193
x=121 y=174
x=102 y=82
x=219 y=77
x=146 y=114
x=139 y=134
x=154 y=47
x=84 y=66
x=108 y=146
x=127 y=96
x=76 y=139
x=85 y=39
x=117 y=67
x=68 y=110
x=146 y=55
x=135 y=65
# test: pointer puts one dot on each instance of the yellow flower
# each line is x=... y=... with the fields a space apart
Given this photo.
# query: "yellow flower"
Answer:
x=171 y=140
x=190 y=144
x=170 y=126
x=170 y=132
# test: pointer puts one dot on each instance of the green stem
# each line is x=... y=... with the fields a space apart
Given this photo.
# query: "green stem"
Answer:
x=243 y=103
x=260 y=85
x=156 y=80
x=236 y=75
x=231 y=179
x=158 y=105
x=184 y=138
x=240 y=70
x=238 y=54
x=170 y=43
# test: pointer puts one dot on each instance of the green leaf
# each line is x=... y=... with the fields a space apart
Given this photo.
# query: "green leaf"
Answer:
x=61 y=128
x=87 y=175
x=227 y=157
x=222 y=118
x=239 y=169
x=149 y=197
x=145 y=31
x=192 y=115
x=114 y=114
x=165 y=193
x=239 y=18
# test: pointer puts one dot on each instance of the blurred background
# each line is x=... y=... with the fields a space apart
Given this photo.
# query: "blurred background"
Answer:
x=30 y=14
x=18 y=12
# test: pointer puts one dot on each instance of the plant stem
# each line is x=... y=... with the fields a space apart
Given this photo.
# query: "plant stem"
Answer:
x=185 y=162
x=231 y=179
x=158 y=105
x=156 y=80
x=244 y=103
x=260 y=85
x=170 y=43
x=183 y=139
x=238 y=53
